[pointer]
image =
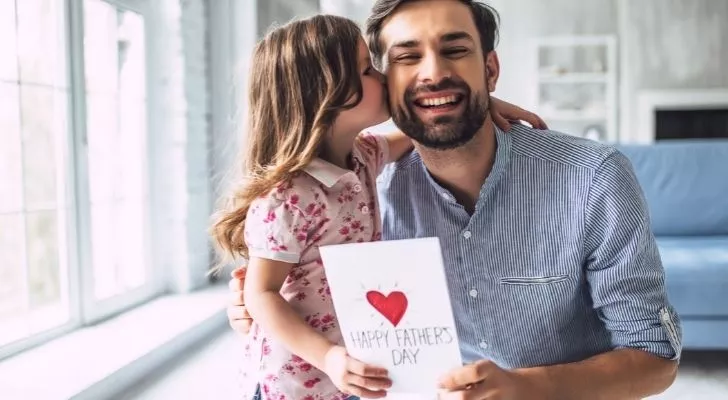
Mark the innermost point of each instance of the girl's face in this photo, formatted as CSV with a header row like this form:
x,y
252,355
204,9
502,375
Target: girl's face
x,y
372,109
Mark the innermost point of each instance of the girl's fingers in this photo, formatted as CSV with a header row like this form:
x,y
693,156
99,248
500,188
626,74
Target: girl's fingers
x,y
501,122
359,368
368,382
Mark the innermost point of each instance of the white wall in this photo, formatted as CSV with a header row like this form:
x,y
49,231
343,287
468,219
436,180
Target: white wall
x,y
180,139
670,44
524,20
664,44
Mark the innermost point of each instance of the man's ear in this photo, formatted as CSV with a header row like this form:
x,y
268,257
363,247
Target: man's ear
x,y
492,70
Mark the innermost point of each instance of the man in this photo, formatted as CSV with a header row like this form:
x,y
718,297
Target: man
x,y
556,282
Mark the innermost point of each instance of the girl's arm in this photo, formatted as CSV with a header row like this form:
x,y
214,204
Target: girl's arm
x,y
263,282
502,111
399,145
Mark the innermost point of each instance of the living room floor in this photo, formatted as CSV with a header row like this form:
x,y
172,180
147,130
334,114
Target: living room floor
x,y
211,372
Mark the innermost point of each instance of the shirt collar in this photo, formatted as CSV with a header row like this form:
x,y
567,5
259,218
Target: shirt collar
x,y
325,172
329,174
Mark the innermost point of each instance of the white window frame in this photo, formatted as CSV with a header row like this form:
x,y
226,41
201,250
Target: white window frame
x,y
74,235
92,311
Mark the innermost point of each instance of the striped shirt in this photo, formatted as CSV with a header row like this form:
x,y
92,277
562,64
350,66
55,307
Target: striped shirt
x,y
556,264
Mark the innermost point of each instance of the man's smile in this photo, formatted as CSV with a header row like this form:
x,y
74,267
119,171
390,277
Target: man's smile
x,y
435,104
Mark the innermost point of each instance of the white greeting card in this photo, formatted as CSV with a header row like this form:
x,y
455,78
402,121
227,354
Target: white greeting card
x,y
393,307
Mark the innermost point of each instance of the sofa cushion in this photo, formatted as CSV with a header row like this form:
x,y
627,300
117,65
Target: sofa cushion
x,y
696,270
685,183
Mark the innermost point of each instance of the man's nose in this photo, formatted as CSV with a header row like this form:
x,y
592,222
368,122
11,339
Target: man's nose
x,y
433,69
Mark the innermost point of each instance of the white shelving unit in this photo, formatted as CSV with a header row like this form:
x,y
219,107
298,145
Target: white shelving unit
x,y
576,90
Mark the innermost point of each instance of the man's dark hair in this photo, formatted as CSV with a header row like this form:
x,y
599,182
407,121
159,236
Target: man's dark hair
x,y
486,21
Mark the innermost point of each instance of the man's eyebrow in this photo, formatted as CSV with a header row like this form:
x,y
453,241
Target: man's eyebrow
x,y
453,36
405,44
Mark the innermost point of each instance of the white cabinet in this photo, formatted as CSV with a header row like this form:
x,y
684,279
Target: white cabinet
x,y
576,90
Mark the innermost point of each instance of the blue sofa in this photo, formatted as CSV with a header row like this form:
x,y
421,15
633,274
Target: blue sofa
x,y
686,186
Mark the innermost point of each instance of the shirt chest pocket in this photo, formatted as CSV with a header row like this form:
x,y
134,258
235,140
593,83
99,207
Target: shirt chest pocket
x,y
534,280
549,298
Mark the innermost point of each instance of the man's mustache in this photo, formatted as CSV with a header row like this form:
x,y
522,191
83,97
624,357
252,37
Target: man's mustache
x,y
444,84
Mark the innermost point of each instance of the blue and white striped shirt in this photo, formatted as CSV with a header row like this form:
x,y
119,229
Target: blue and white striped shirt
x,y
557,263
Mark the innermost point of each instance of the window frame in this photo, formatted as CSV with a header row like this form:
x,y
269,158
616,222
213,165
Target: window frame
x,y
90,310
74,211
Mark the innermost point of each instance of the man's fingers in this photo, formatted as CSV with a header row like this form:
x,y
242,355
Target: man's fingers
x,y
237,298
476,392
238,273
465,376
242,326
236,284
237,313
501,122
359,368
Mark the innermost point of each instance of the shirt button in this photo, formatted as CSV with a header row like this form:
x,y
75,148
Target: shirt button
x,y
467,234
473,293
483,344
365,210
357,188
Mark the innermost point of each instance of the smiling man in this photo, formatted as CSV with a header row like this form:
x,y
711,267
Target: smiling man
x,y
557,286
555,278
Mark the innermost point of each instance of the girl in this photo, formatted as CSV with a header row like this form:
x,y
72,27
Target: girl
x,y
310,181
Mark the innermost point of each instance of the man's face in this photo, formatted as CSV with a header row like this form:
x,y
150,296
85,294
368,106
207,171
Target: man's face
x,y
436,72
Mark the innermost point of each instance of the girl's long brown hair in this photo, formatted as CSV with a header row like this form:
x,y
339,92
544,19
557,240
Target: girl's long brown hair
x,y
303,75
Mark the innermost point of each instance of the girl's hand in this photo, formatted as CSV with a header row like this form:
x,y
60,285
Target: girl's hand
x,y
354,377
502,112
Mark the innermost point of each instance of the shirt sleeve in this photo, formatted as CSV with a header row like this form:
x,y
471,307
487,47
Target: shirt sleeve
x,y
374,149
276,228
624,270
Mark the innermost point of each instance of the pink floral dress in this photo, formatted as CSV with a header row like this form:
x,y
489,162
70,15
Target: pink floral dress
x,y
325,205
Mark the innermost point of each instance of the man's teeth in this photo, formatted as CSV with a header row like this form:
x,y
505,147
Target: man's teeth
x,y
438,101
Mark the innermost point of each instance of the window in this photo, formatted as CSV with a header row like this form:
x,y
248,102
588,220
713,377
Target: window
x,y
116,148
34,201
74,166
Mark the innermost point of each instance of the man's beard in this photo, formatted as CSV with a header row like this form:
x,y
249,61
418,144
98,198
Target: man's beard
x,y
446,132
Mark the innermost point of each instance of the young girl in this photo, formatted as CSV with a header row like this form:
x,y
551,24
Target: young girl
x,y
310,181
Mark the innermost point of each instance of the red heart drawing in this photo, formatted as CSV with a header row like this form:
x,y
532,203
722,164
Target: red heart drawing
x,y
392,307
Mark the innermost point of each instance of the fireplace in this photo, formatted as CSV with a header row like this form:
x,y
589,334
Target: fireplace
x,y
691,124
681,114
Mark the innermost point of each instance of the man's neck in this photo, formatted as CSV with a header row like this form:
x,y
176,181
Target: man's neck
x,y
463,170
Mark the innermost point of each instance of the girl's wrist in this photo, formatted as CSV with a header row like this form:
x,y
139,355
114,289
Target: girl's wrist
x,y
322,353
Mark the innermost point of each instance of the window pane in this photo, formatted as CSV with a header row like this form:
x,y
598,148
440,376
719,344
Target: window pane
x,y
41,45
13,290
8,42
44,283
11,177
117,146
33,139
44,118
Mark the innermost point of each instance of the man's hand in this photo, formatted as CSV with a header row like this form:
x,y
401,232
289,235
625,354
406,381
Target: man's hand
x,y
354,377
485,380
238,315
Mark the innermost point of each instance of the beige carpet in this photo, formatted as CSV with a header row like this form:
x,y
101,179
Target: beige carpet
x,y
211,373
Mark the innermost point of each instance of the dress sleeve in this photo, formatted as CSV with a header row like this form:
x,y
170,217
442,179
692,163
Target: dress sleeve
x,y
276,228
374,150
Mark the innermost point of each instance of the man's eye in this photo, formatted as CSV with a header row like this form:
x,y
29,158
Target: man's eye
x,y
408,57
455,51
